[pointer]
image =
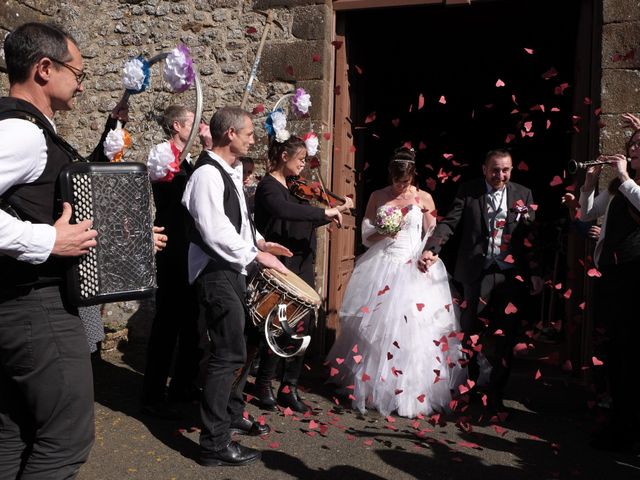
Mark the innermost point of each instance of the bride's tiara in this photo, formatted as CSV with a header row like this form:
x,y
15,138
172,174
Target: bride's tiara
x,y
402,160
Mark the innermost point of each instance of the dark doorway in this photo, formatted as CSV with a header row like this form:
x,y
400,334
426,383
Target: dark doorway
x,y
458,81
492,75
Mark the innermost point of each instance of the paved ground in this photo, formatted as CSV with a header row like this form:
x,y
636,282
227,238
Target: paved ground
x,y
544,437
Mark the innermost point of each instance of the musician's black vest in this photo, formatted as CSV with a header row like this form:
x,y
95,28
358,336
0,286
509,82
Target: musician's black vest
x,y
622,237
231,205
38,201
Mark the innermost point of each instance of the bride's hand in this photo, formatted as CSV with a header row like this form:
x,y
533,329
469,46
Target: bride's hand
x,y
427,259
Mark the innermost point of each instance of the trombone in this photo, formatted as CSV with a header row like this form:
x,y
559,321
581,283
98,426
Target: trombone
x,y
573,166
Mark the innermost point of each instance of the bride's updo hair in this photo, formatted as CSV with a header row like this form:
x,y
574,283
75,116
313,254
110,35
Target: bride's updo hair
x,y
402,164
277,149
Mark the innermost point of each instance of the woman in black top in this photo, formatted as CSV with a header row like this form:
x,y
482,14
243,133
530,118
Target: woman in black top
x,y
617,256
281,217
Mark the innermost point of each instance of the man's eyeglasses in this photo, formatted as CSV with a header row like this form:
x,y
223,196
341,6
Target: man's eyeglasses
x,y
79,74
633,146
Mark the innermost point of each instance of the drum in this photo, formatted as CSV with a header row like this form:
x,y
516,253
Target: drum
x,y
277,303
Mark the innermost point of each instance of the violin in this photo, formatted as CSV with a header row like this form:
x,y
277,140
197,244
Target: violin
x,y
306,190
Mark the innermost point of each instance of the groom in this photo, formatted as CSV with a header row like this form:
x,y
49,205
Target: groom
x,y
495,217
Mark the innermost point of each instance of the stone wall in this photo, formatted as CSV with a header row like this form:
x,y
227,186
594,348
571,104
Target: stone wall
x,y
620,70
223,37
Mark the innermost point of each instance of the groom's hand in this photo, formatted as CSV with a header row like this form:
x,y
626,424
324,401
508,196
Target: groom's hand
x,y
427,259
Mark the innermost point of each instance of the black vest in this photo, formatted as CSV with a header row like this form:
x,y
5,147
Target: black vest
x,y
622,237
37,202
231,205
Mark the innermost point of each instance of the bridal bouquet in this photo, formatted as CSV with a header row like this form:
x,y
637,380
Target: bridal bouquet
x,y
389,220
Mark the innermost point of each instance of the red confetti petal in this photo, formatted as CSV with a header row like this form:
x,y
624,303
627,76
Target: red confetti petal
x,y
420,306
594,272
596,361
500,83
316,57
511,308
420,101
556,181
370,118
251,30
258,109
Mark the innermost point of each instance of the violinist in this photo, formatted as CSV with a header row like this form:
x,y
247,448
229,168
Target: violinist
x,y
291,221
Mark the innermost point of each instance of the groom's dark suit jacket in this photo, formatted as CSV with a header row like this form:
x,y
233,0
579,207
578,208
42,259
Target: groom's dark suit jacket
x,y
469,213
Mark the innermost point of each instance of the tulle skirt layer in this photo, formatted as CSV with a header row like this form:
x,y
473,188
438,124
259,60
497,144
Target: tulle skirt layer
x,y
399,343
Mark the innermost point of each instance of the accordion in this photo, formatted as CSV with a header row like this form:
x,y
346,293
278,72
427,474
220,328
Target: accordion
x,y
117,197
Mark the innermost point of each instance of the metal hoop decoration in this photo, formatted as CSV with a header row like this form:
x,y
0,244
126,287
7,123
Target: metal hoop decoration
x,y
271,332
198,107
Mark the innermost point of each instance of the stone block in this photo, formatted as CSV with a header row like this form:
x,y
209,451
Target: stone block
x,y
614,135
13,14
312,22
320,96
620,10
223,3
266,4
621,45
620,91
294,61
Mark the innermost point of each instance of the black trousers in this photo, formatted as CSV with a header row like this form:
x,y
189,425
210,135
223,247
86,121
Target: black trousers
x,y
46,387
485,314
269,361
617,294
221,294
174,325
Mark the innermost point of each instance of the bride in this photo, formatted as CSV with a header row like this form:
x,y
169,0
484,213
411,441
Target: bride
x,y
399,343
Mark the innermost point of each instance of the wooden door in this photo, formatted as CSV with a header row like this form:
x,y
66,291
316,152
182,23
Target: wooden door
x,y
342,240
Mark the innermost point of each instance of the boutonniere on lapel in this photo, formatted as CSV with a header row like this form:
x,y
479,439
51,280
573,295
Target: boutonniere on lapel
x,y
520,210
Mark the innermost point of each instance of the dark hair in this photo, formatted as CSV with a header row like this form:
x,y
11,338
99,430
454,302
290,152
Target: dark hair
x,y
290,147
247,161
223,120
29,43
402,164
173,113
497,153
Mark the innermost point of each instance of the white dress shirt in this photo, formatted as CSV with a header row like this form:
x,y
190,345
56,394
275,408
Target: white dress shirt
x,y
23,158
497,215
204,198
592,207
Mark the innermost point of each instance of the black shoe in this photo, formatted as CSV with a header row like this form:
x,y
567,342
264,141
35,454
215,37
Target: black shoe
x,y
248,426
265,397
161,410
288,397
233,455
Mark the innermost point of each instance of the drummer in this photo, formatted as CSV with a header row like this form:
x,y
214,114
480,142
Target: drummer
x,y
223,244
290,221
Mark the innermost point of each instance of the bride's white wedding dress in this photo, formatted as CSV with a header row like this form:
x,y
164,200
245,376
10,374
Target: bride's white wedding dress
x,y
399,343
